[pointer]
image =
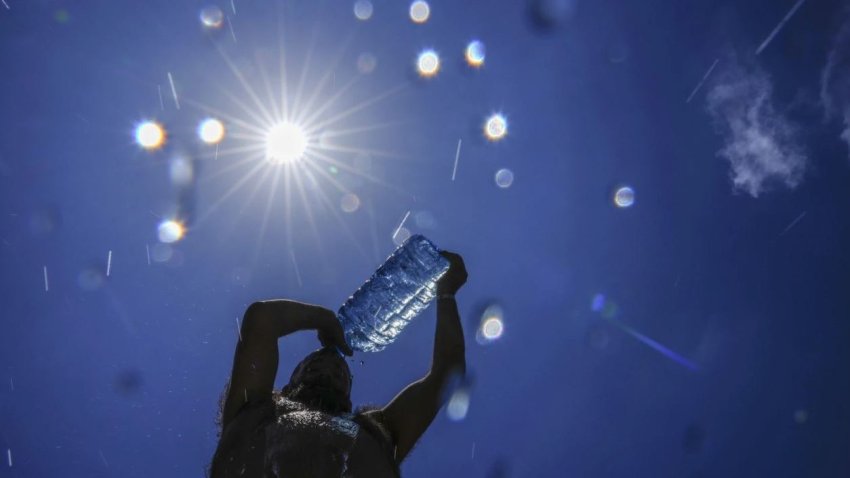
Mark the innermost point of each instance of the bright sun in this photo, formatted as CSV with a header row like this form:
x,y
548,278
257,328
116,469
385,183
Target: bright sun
x,y
285,142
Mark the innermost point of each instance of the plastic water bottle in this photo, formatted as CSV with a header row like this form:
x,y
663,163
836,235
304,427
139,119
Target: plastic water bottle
x,y
397,292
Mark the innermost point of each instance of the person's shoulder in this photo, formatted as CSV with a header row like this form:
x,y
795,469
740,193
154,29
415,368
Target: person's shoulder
x,y
372,419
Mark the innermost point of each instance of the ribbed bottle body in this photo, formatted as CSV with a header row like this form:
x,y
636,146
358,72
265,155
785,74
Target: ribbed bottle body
x,y
398,291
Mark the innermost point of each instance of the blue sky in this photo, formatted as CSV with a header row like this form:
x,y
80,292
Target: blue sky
x,y
732,257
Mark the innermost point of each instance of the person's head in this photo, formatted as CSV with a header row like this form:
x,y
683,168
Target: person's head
x,y
321,381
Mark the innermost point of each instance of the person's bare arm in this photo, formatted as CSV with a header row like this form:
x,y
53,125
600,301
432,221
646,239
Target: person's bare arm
x,y
256,360
410,413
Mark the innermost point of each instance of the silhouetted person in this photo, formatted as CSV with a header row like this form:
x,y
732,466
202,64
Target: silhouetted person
x,y
307,429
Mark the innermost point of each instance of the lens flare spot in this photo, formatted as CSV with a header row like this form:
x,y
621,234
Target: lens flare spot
x,y
150,135
401,235
366,63
363,9
428,64
624,197
286,142
90,279
211,131
496,127
475,54
458,405
597,303
171,231
181,171
350,202
212,17
504,178
161,252
491,326
420,11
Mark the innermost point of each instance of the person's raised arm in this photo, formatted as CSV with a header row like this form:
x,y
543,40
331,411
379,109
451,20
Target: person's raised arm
x,y
410,413
256,359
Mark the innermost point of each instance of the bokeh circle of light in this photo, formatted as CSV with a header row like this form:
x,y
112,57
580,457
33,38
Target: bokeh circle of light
x,y
624,197
428,63
492,328
420,11
170,231
475,53
363,9
366,63
458,405
211,131
150,135
504,178
350,202
181,171
212,17
286,142
496,127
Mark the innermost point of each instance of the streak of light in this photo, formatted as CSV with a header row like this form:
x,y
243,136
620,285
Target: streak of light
x,y
457,156
161,103
238,329
7,8
233,6
173,90
108,263
705,77
105,463
781,24
793,223
401,224
654,345
232,33
148,250
473,451
11,384
246,395
9,450
46,285
295,265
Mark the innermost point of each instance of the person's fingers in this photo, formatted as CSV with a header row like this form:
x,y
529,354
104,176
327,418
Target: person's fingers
x,y
339,335
333,336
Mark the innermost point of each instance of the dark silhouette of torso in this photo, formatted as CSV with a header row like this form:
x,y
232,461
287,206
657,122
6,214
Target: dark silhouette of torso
x,y
281,438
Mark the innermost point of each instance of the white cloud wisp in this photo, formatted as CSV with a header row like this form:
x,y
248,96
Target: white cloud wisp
x,y
759,142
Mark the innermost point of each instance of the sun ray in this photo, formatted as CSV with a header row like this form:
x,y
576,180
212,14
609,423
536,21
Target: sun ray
x,y
358,107
351,169
228,118
365,129
327,104
227,169
284,94
247,177
296,103
268,87
310,217
250,91
334,210
330,73
372,152
266,214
